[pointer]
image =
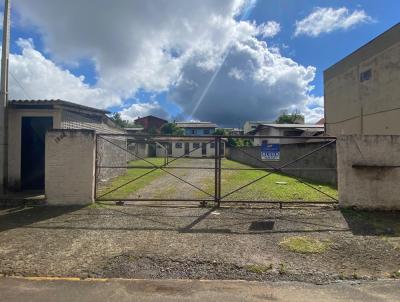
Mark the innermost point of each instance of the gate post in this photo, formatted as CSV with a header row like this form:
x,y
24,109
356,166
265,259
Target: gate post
x,y
217,171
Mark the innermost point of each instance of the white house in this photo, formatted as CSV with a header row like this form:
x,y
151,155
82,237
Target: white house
x,y
186,146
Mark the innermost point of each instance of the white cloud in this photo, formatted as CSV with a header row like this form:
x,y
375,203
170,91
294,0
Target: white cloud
x,y
142,109
328,19
40,78
269,29
164,46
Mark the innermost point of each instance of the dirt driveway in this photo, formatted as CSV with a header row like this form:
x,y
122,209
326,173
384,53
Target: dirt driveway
x,y
170,186
228,243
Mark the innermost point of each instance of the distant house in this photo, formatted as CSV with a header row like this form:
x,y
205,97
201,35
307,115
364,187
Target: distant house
x,y
232,131
197,128
297,130
150,123
28,122
187,146
252,125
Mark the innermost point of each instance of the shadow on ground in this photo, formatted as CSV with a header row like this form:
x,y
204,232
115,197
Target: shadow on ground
x,y
20,216
373,223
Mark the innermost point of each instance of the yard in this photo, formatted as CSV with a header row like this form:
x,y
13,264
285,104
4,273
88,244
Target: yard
x,y
159,184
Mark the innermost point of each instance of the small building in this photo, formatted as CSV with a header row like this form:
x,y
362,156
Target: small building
x,y
233,131
197,128
294,130
362,91
150,123
252,125
193,147
28,122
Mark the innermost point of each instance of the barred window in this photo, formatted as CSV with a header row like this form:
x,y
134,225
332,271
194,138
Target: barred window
x,y
178,145
196,145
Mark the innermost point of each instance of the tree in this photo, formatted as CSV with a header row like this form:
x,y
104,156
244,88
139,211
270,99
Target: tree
x,y
171,129
293,118
117,119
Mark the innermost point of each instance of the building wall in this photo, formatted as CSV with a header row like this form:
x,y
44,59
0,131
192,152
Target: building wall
x,y
199,131
62,119
319,167
14,144
177,152
69,167
369,171
150,122
275,132
355,106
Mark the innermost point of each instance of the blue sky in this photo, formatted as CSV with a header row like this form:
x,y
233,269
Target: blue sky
x,y
159,57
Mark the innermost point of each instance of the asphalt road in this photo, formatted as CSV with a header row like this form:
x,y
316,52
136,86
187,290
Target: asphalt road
x,y
25,289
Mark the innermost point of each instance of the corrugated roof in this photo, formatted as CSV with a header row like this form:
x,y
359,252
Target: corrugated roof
x,y
55,102
196,125
293,126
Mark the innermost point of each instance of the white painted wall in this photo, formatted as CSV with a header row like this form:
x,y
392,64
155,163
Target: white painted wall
x,y
70,167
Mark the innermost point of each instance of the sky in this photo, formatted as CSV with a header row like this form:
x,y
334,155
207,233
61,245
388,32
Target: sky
x,y
224,61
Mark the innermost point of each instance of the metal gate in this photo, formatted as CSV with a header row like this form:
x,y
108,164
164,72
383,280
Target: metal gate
x,y
134,168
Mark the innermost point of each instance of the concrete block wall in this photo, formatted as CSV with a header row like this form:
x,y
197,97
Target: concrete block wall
x,y
319,167
111,152
369,171
69,167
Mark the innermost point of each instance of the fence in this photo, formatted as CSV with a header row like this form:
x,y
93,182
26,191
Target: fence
x,y
194,169
320,166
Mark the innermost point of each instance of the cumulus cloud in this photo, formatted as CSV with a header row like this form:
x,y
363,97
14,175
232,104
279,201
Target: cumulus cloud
x,y
33,76
173,46
261,85
328,19
269,29
143,109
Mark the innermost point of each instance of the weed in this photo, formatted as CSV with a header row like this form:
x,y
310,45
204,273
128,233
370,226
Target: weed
x,y
258,268
282,268
395,275
305,245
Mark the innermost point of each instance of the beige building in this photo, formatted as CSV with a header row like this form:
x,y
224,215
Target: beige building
x,y
362,91
28,122
300,131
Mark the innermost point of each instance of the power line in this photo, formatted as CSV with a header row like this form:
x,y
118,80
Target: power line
x,y
358,116
20,85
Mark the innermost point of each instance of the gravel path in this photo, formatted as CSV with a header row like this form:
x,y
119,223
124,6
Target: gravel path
x,y
169,187
176,242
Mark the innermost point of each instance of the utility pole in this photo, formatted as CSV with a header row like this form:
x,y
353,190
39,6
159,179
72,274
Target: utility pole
x,y
4,98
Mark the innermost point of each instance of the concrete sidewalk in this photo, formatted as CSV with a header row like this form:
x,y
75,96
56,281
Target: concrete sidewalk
x,y
45,289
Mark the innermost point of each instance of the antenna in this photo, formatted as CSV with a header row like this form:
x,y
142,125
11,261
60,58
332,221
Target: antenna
x,y
4,98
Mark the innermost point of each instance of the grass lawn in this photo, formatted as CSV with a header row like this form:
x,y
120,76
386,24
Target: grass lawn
x,y
131,174
273,187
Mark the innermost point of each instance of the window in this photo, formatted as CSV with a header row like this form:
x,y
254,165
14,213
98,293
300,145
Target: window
x,y
193,131
206,131
196,145
178,145
212,145
365,75
264,142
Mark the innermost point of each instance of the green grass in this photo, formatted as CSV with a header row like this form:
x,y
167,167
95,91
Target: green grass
x,y
131,174
265,189
269,188
258,268
304,245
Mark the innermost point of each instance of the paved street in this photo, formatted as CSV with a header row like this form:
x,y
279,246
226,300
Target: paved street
x,y
15,290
